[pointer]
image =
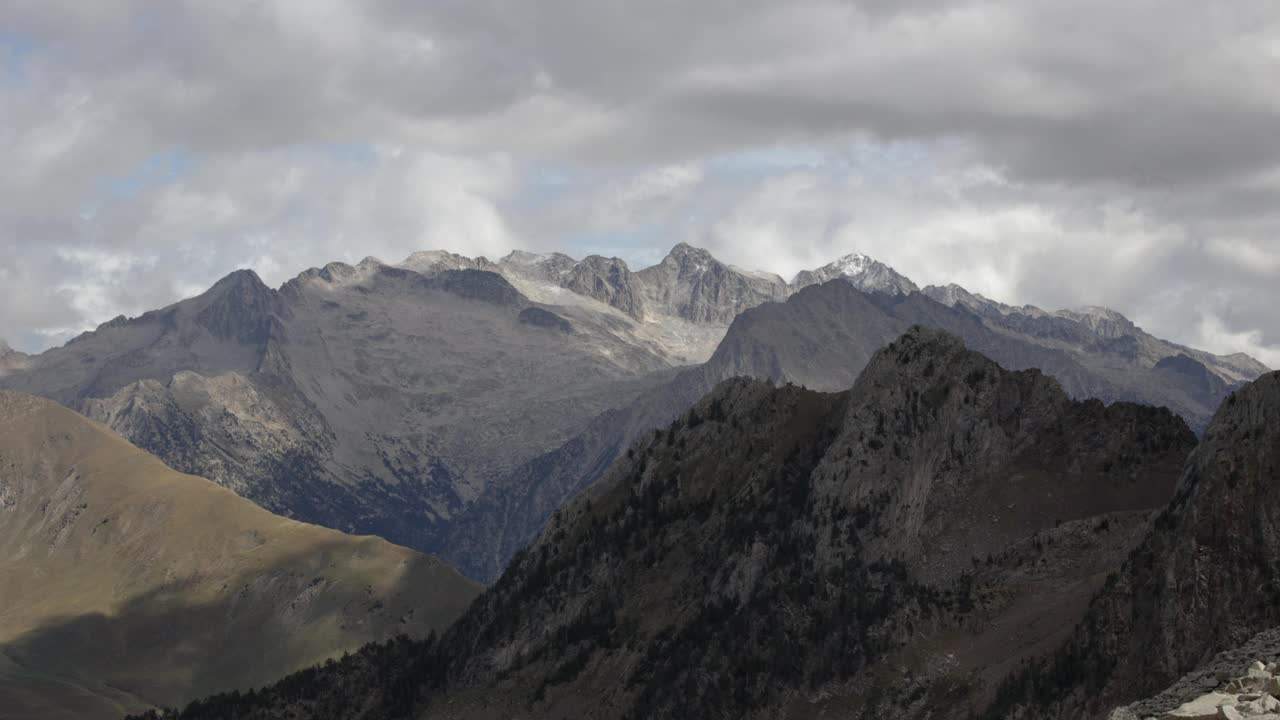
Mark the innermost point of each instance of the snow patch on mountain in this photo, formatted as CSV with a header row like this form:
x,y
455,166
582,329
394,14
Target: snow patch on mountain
x,y
864,273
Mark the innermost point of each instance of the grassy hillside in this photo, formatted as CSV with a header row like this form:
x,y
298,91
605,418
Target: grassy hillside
x,y
125,584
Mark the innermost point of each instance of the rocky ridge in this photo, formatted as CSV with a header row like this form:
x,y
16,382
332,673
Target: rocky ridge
x,y
820,338
862,272
683,304
1202,580
778,551
1096,330
451,404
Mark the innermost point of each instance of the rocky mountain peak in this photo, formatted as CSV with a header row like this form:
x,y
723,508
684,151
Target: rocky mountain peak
x,y
1103,322
1252,412
550,268
608,264
243,280
952,295
117,321
608,280
690,260
684,250
1245,360
862,272
693,285
524,257
238,307
429,261
928,389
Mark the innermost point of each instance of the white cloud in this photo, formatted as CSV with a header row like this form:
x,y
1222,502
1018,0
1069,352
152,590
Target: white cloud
x,y
1212,332
1037,151
278,213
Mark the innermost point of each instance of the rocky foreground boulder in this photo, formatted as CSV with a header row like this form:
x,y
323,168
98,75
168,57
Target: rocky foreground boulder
x,y
1225,688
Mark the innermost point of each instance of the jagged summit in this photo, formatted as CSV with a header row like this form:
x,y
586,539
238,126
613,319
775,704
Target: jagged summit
x,y
1104,322
243,279
863,272
524,257
953,295
692,285
117,321
1245,358
238,307
429,261
685,303
685,253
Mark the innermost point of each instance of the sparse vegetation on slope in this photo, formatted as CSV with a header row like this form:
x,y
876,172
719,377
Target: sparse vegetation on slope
x,y
900,546
124,584
1205,579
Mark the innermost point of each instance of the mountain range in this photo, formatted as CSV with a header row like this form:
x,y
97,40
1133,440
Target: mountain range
x,y
125,585
910,546
450,404
695,491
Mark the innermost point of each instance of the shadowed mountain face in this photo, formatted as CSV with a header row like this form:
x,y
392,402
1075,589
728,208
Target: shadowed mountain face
x,y
821,338
124,584
1206,579
897,547
452,404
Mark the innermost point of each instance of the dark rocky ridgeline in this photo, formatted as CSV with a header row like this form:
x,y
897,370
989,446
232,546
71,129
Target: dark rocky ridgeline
x,y
1206,579
820,338
900,547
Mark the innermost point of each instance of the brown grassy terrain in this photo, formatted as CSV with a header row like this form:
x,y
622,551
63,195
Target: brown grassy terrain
x,y
125,584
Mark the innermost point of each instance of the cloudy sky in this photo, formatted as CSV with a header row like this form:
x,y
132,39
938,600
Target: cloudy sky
x,y
1057,153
